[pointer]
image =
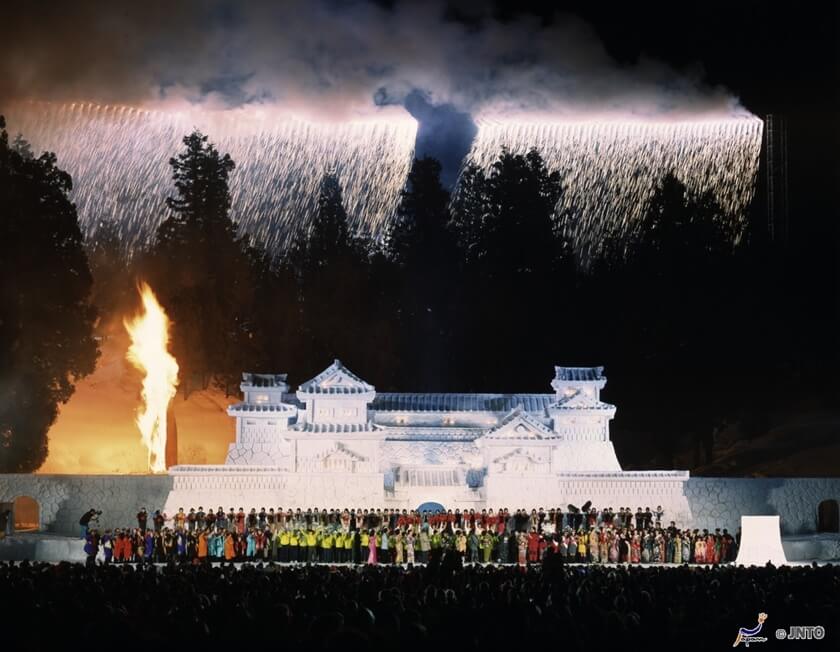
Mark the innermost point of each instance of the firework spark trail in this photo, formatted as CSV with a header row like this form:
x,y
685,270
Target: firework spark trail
x,y
149,332
610,169
118,157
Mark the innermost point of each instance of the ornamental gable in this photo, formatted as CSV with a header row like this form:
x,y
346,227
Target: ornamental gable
x,y
517,426
571,397
336,379
519,461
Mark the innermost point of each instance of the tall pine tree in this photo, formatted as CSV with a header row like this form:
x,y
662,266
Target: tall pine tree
x,y
46,318
331,268
423,248
515,266
202,270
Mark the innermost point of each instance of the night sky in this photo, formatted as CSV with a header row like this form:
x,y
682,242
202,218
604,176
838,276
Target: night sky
x,y
446,62
449,64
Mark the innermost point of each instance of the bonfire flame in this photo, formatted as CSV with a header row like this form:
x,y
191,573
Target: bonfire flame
x,y
149,332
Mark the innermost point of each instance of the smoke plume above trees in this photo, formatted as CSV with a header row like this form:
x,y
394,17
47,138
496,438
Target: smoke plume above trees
x,y
333,58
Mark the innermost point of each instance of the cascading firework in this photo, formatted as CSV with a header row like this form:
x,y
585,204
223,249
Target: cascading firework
x,y
149,332
610,168
118,157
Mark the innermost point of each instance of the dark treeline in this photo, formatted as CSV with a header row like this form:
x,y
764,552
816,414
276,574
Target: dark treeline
x,y
480,291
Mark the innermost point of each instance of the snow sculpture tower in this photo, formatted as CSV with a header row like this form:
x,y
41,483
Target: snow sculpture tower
x,y
262,423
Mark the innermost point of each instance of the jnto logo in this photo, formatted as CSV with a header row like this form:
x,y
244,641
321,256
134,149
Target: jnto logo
x,y
747,635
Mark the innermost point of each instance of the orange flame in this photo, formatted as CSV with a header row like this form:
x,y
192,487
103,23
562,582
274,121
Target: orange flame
x,y
149,332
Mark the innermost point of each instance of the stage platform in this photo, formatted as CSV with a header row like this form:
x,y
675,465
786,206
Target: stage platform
x,y
41,546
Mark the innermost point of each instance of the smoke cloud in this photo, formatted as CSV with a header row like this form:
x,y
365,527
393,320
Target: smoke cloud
x,y
332,58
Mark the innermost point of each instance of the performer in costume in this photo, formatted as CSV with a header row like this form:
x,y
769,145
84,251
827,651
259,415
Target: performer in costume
x,y
372,548
700,551
522,548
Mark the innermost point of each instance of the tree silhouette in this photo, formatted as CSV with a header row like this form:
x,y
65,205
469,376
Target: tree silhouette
x,y
202,270
423,249
46,319
468,212
331,268
514,260
328,237
673,290
112,271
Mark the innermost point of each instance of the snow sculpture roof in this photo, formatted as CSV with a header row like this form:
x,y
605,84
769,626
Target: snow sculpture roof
x,y
420,402
579,374
336,379
265,407
264,380
518,426
337,427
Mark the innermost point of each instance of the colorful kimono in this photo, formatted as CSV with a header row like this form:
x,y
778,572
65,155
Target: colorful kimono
x,y
635,549
593,546
571,548
710,549
533,547
128,553
486,544
700,551
107,547
647,549
409,548
661,551
372,550
398,547
677,546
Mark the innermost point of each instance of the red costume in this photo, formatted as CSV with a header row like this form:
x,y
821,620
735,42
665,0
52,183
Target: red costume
x,y
533,546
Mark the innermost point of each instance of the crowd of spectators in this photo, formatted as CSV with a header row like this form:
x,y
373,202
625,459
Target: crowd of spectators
x,y
440,605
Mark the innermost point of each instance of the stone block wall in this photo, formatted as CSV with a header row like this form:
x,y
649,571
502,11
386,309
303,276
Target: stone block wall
x,y
62,499
720,502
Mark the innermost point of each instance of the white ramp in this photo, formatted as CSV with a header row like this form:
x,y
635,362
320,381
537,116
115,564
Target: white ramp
x,y
761,541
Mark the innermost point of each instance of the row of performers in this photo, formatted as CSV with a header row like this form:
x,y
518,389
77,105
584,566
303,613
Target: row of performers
x,y
603,544
499,521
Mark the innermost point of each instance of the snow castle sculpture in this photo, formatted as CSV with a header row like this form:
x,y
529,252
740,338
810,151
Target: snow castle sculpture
x,y
336,442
